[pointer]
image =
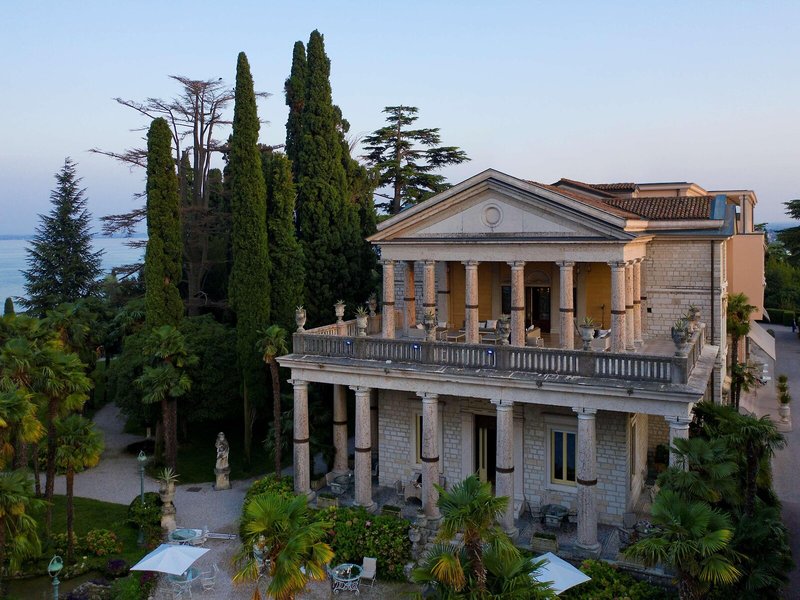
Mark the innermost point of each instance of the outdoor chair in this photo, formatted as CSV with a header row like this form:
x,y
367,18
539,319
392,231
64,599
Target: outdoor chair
x,y
200,539
369,571
181,590
400,492
208,579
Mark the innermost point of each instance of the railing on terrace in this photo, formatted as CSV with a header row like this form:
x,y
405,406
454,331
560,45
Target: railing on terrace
x,y
328,341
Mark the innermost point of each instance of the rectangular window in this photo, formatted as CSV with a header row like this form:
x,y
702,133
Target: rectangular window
x,y
563,459
418,432
505,299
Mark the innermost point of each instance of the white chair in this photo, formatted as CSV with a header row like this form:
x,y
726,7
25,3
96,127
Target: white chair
x,y
208,579
181,590
369,571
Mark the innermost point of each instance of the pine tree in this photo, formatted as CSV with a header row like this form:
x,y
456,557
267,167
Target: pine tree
x,y
61,264
249,289
295,88
405,168
328,226
162,260
8,308
285,254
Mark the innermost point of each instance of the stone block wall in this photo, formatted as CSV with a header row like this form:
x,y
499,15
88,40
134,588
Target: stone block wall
x,y
658,433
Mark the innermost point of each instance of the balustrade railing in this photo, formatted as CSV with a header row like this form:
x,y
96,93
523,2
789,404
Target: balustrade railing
x,y
326,341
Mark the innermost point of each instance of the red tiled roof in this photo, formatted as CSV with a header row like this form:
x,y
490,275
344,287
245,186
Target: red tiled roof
x,y
585,186
602,204
614,187
666,209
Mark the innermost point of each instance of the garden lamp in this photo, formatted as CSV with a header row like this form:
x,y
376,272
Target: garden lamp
x,y
142,458
53,569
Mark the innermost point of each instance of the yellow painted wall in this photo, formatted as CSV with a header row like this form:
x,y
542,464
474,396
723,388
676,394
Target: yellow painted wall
x,y
598,293
457,282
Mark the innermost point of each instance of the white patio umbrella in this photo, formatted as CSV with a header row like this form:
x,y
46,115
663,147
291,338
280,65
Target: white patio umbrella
x,y
562,574
170,558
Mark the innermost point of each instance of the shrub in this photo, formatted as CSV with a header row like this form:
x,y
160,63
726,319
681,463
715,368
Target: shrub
x,y
134,587
609,583
355,533
58,542
270,484
116,567
147,517
102,542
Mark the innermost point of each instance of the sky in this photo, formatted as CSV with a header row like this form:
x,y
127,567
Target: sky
x,y
595,91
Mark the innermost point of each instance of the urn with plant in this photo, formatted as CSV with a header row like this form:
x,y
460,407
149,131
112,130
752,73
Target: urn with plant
x,y
586,329
361,321
300,318
339,310
372,302
680,335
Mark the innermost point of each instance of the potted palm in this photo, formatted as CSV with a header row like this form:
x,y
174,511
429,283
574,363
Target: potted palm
x,y
693,316
504,329
586,329
372,302
361,321
783,398
429,322
339,309
167,478
680,334
300,318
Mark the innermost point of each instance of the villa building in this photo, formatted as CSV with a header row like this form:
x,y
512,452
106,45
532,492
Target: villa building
x,y
446,385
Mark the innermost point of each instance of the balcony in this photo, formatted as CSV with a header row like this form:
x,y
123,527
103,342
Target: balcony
x,y
656,362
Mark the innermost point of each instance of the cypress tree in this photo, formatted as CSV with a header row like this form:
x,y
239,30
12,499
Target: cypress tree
x,y
8,308
162,259
295,88
61,264
248,289
285,254
327,221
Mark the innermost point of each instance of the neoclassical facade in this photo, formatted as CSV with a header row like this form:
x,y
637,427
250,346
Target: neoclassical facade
x,y
475,362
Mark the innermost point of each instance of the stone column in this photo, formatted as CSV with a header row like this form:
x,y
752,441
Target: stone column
x,y
430,453
678,428
340,466
387,306
617,306
567,310
629,307
637,303
586,477
410,297
517,303
471,301
504,462
373,417
302,459
363,466
429,287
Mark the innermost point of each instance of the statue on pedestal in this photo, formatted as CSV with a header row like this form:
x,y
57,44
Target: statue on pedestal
x,y
223,469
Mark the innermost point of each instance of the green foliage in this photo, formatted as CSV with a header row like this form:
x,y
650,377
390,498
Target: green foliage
x,y
163,258
407,159
609,583
146,516
248,289
102,542
136,586
58,543
295,88
783,286
271,485
17,505
285,253
354,533
327,219
781,317
61,264
8,308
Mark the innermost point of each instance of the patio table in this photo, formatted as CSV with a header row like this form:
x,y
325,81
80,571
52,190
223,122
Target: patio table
x,y
187,577
341,484
184,536
345,577
455,336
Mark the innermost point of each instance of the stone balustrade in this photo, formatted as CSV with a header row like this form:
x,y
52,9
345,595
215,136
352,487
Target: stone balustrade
x,y
325,341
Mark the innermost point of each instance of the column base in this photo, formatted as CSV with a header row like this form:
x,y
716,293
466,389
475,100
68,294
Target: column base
x,y
371,508
588,551
513,533
310,496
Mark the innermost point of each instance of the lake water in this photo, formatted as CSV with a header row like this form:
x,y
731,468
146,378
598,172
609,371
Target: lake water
x,y
13,258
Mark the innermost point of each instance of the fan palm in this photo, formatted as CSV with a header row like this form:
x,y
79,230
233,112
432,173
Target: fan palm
x,y
289,541
693,539
705,471
18,532
166,380
737,324
471,508
272,343
79,447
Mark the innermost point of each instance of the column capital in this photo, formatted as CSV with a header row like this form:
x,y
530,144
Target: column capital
x,y
429,262
428,396
678,423
616,264
298,383
585,413
503,404
387,262
470,263
563,264
360,389
516,264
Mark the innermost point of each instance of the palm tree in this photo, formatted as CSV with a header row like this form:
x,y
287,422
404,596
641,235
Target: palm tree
x,y
693,539
471,508
289,541
272,343
166,380
18,533
705,471
738,326
79,447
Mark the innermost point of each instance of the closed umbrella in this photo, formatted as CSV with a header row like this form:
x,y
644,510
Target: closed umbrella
x,y
170,558
560,573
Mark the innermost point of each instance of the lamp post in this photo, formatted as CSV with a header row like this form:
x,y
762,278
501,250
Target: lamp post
x,y
142,458
53,569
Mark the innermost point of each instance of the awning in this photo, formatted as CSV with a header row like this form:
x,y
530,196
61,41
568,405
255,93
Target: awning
x,y
559,573
759,336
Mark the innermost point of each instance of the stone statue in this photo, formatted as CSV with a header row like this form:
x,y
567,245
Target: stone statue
x,y
222,470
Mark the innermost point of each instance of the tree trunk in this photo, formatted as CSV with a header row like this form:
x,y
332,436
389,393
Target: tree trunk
x,y
169,434
736,385
686,588
276,413
751,475
475,556
36,479
249,421
70,514
3,584
21,455
159,440
52,412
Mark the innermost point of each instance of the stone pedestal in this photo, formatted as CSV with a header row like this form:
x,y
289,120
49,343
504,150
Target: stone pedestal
x,y
223,481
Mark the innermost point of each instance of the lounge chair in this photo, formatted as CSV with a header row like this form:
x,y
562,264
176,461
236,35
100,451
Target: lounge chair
x,y
369,571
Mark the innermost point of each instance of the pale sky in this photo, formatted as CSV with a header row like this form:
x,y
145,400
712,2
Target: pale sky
x,y
596,91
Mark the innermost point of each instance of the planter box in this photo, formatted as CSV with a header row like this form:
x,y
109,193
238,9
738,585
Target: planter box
x,y
318,484
541,545
392,511
324,502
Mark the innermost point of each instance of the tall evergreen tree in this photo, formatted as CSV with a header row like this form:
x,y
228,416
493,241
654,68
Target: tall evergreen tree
x,y
162,259
295,88
249,287
8,308
285,254
62,267
405,168
328,226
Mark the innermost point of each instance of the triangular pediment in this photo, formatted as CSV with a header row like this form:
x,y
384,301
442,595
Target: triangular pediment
x,y
495,206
